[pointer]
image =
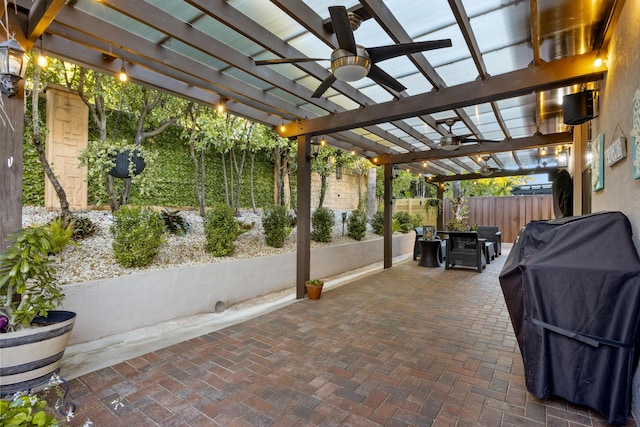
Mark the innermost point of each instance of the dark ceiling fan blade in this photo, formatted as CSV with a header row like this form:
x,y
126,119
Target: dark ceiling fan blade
x,y
326,84
381,53
342,28
287,60
478,140
379,76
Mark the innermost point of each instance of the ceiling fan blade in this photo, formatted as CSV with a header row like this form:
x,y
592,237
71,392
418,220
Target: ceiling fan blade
x,y
381,53
381,77
287,60
326,84
478,140
342,28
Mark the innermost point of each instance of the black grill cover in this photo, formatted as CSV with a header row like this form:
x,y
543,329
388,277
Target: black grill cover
x,y
572,288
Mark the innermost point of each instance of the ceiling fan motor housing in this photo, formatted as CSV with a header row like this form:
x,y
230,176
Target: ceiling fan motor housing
x,y
348,67
449,143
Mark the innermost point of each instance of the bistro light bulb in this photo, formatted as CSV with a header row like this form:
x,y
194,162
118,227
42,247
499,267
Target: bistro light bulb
x,y
123,75
42,61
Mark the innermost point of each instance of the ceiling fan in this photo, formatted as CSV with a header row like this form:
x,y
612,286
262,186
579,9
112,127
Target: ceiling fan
x,y
485,169
351,62
452,142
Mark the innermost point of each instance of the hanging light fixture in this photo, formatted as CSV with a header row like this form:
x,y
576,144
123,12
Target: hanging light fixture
x,y
123,74
12,66
42,60
222,104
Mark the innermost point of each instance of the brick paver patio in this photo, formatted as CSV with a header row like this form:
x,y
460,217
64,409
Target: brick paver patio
x,y
407,346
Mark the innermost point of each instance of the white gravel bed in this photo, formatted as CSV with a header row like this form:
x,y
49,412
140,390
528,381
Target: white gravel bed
x,y
93,259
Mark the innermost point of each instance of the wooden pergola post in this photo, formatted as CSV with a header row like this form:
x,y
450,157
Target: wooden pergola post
x,y
388,215
303,254
11,148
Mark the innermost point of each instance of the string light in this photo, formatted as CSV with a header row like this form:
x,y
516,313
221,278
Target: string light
x,y
123,73
221,104
42,60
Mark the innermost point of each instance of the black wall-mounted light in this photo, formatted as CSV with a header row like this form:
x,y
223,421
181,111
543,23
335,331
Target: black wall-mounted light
x,y
314,149
395,172
12,66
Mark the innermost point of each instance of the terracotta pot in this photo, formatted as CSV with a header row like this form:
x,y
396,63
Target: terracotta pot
x,y
28,357
313,291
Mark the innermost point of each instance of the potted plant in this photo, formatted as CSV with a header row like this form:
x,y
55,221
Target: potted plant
x,y
314,288
33,334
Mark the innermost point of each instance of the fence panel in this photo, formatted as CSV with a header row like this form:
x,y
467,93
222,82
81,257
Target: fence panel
x,y
509,213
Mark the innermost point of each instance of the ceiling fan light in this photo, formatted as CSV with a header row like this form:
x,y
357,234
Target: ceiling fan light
x,y
449,144
348,67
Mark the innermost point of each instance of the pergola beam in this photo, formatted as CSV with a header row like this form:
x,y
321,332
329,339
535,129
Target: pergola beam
x,y
560,73
478,149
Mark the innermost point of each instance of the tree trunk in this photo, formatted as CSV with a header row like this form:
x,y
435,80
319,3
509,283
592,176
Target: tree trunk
x,y
323,189
65,213
253,197
224,179
371,192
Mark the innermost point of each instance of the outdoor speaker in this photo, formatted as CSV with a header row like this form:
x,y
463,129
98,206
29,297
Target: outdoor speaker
x,y
578,108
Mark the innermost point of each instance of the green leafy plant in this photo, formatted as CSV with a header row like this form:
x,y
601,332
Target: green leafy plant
x,y
137,235
221,230
357,224
60,235
405,221
26,410
28,285
174,223
316,282
83,227
322,222
460,212
277,226
377,222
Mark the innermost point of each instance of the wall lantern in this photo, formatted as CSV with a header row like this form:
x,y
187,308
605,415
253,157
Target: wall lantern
x,y
315,149
563,159
396,171
12,66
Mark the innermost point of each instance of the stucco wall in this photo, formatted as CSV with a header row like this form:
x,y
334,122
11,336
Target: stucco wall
x,y
112,306
621,192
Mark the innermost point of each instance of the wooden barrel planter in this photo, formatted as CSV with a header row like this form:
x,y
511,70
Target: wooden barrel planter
x,y
123,159
30,356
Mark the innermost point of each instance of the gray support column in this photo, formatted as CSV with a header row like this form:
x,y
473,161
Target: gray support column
x,y
388,214
303,255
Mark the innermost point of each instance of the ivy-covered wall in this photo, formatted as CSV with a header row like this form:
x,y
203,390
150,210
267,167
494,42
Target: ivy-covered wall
x,y
173,172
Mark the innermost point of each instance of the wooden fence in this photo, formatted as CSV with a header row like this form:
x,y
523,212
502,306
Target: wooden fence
x,y
509,213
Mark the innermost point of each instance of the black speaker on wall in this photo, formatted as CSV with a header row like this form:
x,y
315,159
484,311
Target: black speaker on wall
x,y
578,108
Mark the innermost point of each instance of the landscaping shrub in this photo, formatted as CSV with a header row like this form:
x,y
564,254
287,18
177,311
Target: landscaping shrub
x,y
377,222
277,226
174,223
60,235
137,235
405,221
221,230
83,227
322,222
357,224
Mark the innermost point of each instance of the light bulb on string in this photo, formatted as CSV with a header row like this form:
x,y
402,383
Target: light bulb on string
x,y
123,74
42,60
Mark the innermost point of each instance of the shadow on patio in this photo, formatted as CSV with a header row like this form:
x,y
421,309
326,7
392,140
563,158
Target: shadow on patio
x,y
406,346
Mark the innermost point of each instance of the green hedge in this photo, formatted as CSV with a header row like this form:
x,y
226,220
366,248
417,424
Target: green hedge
x,y
173,170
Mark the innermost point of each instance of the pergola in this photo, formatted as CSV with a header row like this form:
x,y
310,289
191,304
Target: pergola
x,y
502,80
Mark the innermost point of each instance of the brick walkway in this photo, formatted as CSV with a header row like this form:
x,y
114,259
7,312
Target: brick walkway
x,y
407,346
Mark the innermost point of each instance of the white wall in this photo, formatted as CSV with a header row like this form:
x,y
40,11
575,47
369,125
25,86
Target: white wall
x,y
121,304
621,192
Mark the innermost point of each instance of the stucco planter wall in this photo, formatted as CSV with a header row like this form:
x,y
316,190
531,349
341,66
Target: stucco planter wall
x,y
120,304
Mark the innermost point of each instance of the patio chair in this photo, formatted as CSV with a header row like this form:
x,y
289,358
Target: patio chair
x,y
491,234
465,249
